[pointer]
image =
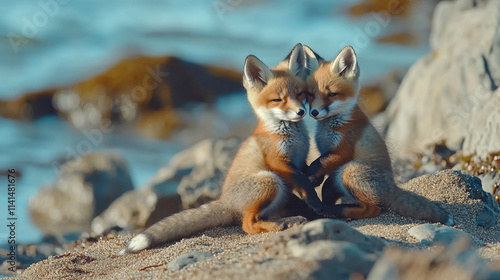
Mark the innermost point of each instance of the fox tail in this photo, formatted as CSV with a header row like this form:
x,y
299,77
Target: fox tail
x,y
409,204
180,225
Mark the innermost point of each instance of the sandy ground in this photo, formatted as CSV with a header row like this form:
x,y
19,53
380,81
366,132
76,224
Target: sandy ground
x,y
242,256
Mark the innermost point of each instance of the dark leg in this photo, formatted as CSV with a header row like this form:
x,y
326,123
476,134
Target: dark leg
x,y
295,206
331,192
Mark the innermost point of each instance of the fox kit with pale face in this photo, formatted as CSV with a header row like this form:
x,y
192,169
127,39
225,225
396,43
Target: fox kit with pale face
x,y
266,168
353,154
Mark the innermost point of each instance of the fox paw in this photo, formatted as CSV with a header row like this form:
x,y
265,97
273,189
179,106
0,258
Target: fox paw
x,y
288,222
316,180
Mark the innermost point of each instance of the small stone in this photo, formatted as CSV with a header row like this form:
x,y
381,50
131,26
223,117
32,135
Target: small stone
x,y
429,234
486,218
329,229
337,259
189,258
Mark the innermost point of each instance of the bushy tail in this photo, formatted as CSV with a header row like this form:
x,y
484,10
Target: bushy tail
x,y
412,205
180,225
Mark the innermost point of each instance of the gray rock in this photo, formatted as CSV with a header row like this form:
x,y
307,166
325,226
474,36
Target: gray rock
x,y
483,128
189,258
430,234
192,177
8,267
475,189
137,209
142,207
84,188
456,261
452,93
337,230
208,162
384,270
25,256
337,259
487,218
339,249
488,180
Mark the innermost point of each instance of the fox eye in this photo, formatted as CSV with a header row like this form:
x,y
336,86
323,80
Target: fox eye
x,y
310,94
277,100
332,94
300,94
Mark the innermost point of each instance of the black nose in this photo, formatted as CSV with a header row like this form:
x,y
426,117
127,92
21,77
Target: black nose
x,y
314,113
300,112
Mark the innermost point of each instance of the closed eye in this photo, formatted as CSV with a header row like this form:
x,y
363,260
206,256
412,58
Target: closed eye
x,y
332,94
310,94
277,100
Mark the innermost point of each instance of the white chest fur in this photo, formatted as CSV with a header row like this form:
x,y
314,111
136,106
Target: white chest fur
x,y
296,143
326,136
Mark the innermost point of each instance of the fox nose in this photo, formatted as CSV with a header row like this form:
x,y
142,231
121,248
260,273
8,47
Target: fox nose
x,y
301,112
314,112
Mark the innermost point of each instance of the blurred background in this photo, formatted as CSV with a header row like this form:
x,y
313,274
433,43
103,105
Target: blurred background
x,y
146,79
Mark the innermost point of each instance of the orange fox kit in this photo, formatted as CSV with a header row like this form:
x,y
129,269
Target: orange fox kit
x,y
265,169
353,154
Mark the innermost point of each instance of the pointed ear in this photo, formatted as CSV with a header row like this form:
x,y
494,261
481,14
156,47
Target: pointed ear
x,y
255,73
346,64
312,60
296,60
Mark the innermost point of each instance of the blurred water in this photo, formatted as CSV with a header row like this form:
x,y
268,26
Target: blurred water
x,y
45,43
37,149
50,43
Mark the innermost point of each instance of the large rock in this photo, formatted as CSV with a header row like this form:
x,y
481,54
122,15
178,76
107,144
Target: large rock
x,y
207,162
452,94
146,91
457,261
192,178
338,249
137,209
84,188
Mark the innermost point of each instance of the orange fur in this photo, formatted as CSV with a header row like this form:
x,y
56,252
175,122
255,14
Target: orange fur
x,y
283,86
251,223
353,154
265,167
364,211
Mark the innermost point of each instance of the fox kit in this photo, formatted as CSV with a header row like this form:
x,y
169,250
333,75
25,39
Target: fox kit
x,y
353,154
266,168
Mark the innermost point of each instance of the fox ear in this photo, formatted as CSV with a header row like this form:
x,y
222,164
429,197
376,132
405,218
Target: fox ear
x,y
296,60
346,64
255,73
311,61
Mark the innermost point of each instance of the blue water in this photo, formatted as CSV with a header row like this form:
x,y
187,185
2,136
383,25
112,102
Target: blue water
x,y
36,150
51,43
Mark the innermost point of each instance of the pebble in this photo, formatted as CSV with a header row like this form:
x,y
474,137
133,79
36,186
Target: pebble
x,y
189,258
429,234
